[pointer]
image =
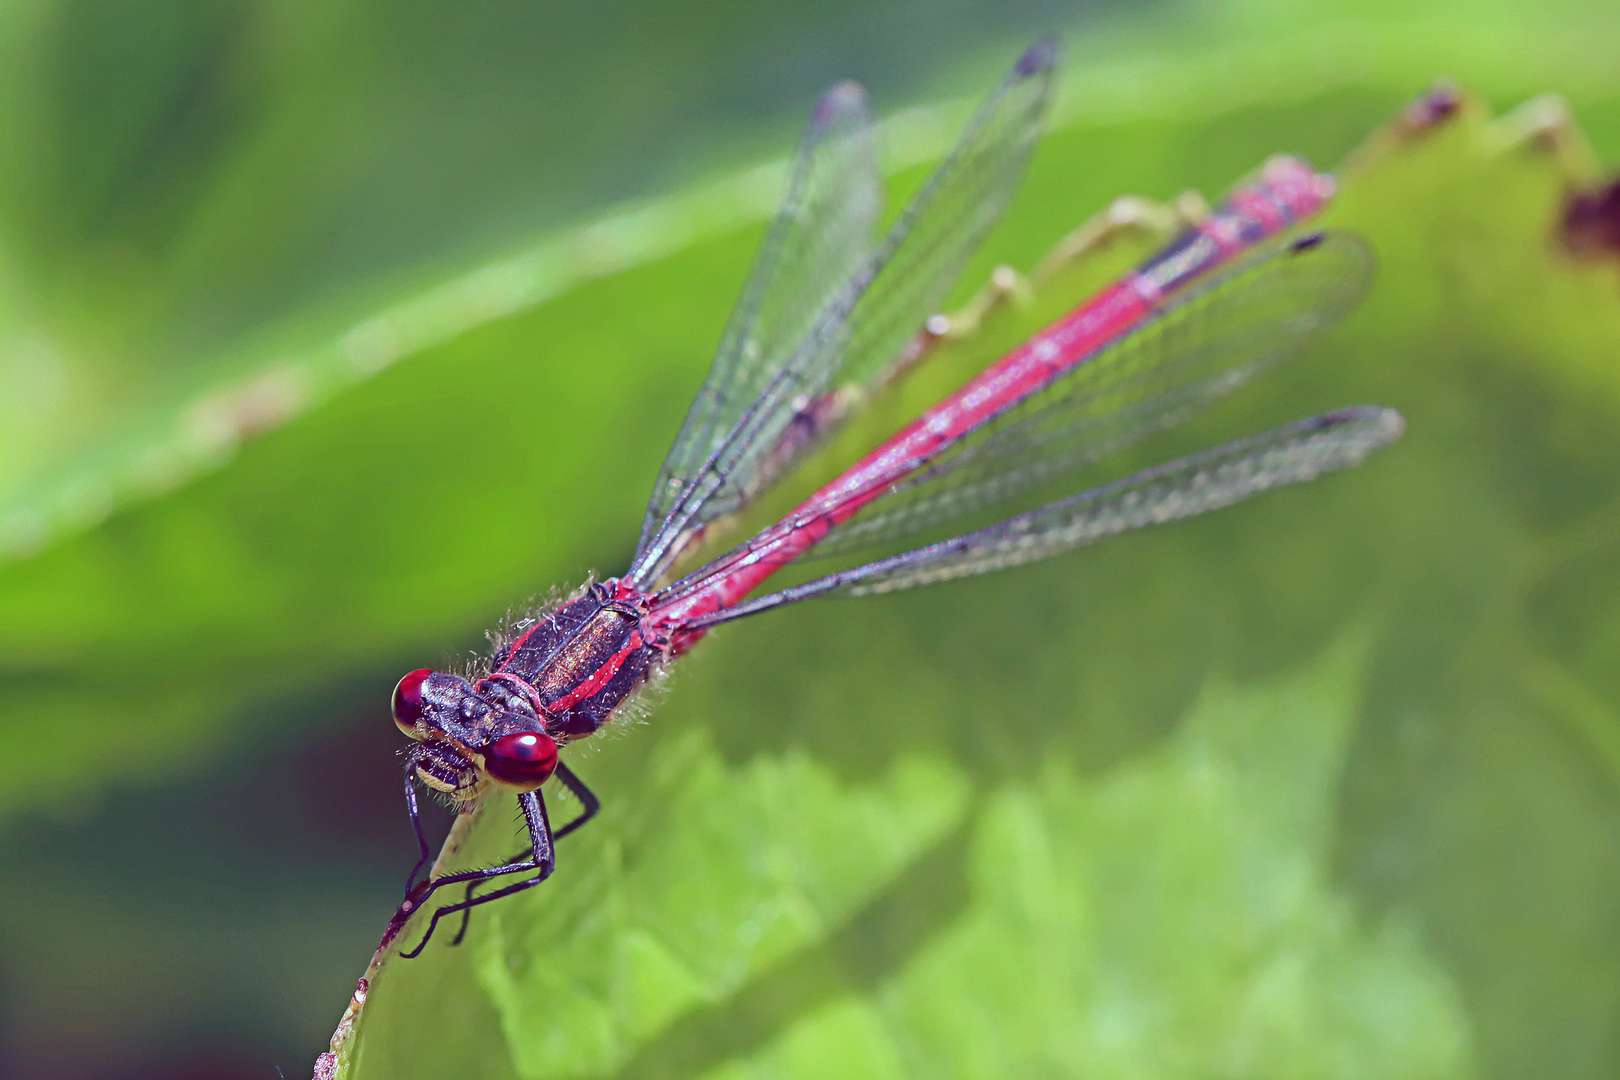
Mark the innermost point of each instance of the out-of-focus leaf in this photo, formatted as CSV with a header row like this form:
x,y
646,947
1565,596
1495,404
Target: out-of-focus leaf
x,y
206,206
1176,909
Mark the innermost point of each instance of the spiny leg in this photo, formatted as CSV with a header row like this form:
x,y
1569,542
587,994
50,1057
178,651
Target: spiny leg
x,y
416,826
590,803
542,860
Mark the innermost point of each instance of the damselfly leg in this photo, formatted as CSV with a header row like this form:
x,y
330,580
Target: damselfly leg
x,y
542,861
590,805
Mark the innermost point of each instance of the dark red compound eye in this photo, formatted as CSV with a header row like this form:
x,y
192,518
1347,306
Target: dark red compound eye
x,y
523,760
408,700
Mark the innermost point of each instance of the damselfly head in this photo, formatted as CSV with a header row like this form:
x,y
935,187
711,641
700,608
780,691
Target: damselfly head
x,y
466,733
429,702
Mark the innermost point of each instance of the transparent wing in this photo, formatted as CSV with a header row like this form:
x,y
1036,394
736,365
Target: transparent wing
x,y
811,377
1179,489
950,216
1208,341
820,237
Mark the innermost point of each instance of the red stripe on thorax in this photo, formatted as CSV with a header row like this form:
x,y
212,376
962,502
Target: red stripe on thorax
x,y
598,678
518,643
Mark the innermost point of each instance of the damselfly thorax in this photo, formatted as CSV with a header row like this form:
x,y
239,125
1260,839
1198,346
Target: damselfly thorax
x,y
561,675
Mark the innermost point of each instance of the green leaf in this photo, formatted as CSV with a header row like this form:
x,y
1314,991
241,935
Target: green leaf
x,y
1175,914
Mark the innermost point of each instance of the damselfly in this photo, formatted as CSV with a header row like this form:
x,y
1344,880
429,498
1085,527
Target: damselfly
x,y
827,316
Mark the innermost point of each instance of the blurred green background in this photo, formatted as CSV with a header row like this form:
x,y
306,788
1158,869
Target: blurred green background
x,y
330,330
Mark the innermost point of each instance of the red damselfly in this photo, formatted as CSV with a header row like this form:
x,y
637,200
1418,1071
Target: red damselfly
x,y
827,316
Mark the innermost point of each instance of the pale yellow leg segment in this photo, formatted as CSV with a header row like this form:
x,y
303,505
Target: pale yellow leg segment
x,y
1128,215
1546,124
